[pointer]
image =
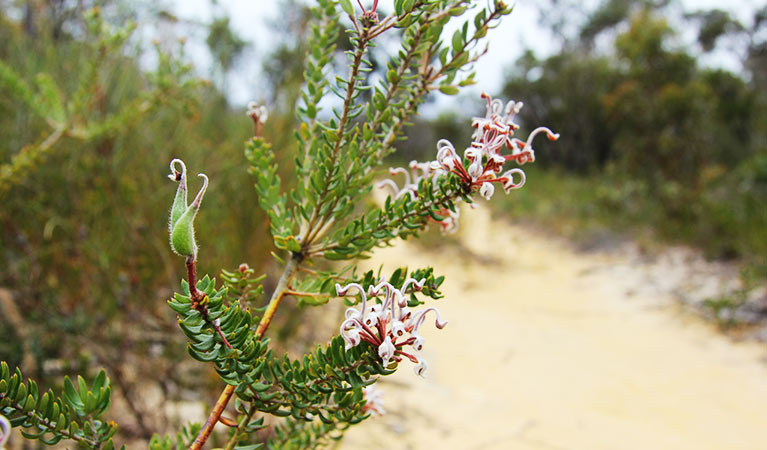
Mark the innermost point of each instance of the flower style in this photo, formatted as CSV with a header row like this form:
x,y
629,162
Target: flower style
x,y
409,188
390,326
373,400
418,171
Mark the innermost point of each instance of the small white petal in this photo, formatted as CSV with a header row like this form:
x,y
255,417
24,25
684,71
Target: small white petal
x,y
420,368
475,169
398,329
263,113
487,190
352,338
386,351
418,343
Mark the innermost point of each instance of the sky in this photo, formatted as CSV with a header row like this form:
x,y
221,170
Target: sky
x,y
254,20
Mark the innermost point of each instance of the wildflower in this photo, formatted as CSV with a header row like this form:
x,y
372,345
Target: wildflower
x,y
408,188
390,326
418,342
482,162
386,350
259,114
373,400
493,134
508,179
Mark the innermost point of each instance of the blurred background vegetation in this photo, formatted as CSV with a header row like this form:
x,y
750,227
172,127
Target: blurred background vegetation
x,y
651,140
654,145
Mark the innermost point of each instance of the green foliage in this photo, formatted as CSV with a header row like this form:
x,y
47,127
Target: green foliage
x,y
325,385
317,217
182,440
401,218
71,114
242,285
235,348
262,164
82,254
336,157
76,415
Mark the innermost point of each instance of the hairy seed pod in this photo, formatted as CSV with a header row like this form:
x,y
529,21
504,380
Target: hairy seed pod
x,y
179,202
182,217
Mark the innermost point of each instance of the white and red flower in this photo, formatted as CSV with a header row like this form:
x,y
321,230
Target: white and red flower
x,y
390,326
483,161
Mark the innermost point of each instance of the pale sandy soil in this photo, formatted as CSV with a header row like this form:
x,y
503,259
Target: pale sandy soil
x,y
549,348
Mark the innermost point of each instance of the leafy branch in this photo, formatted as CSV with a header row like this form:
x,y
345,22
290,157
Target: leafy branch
x,y
50,418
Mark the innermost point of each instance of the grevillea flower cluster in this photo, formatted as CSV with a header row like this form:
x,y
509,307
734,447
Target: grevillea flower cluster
x,y
390,326
483,161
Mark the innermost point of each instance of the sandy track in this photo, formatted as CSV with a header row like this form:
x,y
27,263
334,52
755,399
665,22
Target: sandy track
x,y
552,349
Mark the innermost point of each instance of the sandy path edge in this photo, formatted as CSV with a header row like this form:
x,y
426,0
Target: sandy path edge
x,y
548,348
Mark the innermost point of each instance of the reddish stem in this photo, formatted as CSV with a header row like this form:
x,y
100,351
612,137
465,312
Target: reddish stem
x,y
191,269
221,333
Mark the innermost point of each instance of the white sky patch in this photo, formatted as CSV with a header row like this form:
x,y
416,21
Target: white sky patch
x,y
254,21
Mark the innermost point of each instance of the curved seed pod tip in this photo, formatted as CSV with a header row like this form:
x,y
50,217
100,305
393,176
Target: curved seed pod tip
x,y
181,225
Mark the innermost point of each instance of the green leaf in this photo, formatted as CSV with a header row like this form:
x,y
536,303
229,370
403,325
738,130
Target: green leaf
x,y
346,5
71,395
449,90
457,41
